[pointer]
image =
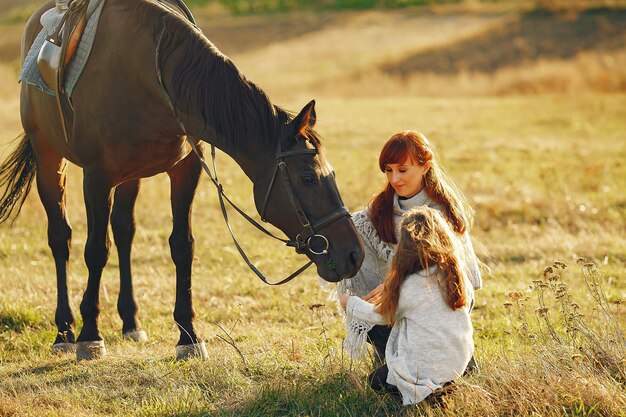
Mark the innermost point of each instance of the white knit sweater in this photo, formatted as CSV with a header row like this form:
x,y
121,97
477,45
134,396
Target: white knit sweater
x,y
377,260
430,344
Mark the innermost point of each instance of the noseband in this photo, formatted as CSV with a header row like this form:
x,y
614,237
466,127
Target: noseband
x,y
303,240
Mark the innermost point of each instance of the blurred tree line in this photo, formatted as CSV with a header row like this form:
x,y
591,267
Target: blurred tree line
x,y
261,6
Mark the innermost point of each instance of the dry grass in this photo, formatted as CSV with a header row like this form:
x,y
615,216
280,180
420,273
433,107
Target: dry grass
x,y
575,350
545,173
518,172
588,72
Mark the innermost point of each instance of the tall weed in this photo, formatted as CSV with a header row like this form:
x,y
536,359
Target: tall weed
x,y
563,353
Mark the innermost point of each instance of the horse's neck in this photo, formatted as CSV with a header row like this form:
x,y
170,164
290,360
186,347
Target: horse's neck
x,y
250,151
214,101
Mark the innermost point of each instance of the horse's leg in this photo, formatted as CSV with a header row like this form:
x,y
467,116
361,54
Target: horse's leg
x,y
184,180
123,226
51,171
97,191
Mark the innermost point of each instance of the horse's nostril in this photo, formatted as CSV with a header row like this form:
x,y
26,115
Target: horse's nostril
x,y
354,259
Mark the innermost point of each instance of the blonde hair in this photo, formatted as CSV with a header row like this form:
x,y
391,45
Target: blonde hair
x,y
426,239
441,189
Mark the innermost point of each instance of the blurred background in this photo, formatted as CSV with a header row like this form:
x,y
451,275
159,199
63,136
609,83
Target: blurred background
x,y
403,47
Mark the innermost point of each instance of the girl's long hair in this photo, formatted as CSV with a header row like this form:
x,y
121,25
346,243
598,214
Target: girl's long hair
x,y
426,239
415,146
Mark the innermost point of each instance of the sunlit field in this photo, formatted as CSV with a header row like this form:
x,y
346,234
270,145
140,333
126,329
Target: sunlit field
x,y
545,172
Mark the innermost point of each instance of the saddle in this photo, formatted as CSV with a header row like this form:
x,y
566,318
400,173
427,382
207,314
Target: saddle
x,y
59,48
68,20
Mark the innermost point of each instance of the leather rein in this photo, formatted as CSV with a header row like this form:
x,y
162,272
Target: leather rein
x,y
307,236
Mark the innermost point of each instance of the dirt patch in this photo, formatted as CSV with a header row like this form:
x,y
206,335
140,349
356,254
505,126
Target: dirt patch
x,y
233,35
533,36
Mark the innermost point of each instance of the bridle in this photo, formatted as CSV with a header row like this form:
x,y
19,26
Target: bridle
x,y
303,239
310,231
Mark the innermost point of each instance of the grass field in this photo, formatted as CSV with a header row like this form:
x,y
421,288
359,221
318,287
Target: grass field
x,y
545,172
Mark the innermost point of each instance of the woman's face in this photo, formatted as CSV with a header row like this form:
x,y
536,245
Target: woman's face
x,y
407,178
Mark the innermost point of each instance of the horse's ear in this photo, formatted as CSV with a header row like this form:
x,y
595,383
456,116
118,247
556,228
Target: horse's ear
x,y
306,119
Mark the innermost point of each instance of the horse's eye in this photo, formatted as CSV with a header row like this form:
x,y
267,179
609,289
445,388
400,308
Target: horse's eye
x,y
308,179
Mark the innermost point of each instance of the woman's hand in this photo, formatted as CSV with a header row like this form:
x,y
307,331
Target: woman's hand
x,y
369,296
343,301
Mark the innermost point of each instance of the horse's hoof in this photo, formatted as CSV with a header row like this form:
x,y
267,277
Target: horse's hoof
x,y
135,335
195,350
90,350
63,347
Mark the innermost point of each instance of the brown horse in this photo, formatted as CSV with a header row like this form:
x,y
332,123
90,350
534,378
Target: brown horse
x,y
152,77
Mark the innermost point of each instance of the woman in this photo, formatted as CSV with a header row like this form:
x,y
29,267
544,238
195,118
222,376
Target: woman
x,y
426,296
414,178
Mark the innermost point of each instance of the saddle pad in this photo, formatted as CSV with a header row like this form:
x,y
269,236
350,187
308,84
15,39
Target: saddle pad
x,y
49,20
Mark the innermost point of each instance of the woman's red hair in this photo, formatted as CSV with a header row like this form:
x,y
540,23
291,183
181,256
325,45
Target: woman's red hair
x,y
414,146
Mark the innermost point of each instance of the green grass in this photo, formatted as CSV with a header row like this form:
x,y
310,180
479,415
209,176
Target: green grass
x,y
527,164
17,319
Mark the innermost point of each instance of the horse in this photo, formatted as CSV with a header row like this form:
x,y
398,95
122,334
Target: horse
x,y
155,87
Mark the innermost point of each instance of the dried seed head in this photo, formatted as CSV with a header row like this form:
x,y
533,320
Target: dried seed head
x,y
589,268
515,295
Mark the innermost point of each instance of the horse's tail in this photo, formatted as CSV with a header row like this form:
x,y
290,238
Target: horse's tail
x,y
16,177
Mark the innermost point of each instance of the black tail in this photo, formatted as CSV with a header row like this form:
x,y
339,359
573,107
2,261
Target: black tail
x,y
16,178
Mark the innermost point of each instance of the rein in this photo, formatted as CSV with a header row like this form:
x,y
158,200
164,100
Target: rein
x,y
222,197
304,239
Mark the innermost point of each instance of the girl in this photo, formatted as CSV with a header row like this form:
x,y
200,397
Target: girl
x,y
426,296
414,179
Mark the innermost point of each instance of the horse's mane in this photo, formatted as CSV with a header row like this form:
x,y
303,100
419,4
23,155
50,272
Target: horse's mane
x,y
208,84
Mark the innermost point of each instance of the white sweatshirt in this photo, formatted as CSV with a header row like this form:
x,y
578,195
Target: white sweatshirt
x,y
430,344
